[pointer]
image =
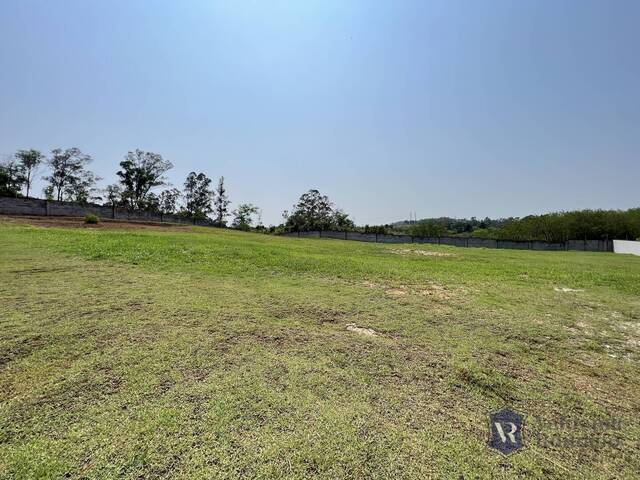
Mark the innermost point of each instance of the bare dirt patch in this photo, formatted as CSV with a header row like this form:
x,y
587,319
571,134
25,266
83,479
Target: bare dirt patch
x,y
567,290
425,253
78,222
369,332
436,291
631,332
433,290
580,330
396,292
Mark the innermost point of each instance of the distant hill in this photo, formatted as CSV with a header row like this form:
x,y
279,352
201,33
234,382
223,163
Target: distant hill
x,y
457,225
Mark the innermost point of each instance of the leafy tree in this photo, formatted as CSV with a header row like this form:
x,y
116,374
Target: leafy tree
x,y
68,173
29,160
12,178
113,195
169,201
48,192
313,211
341,221
243,216
140,172
152,203
198,195
81,188
382,229
221,204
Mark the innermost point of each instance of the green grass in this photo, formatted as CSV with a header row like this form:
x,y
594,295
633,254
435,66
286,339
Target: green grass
x,y
216,354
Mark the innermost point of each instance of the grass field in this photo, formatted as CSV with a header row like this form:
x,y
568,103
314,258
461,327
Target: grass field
x,y
204,353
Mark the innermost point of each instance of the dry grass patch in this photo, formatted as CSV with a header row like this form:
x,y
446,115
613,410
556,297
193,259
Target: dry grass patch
x,y
424,253
433,290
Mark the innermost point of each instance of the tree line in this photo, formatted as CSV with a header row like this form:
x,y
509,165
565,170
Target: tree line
x,y
550,227
68,178
141,173
578,224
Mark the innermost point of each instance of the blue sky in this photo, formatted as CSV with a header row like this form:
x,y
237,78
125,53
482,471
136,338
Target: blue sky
x,y
450,107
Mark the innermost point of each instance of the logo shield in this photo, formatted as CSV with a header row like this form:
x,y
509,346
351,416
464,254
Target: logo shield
x,y
506,431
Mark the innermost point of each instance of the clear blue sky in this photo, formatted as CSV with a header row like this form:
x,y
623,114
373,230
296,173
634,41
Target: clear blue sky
x,y
455,108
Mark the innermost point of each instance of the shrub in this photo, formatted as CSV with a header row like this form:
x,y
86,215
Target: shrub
x,y
91,219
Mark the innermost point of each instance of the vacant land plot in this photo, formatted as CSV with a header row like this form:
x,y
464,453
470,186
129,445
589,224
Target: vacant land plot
x,y
204,353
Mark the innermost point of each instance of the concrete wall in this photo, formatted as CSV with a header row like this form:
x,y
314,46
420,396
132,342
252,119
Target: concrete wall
x,y
338,235
483,243
626,246
34,206
453,241
308,234
382,238
22,206
583,245
362,237
514,245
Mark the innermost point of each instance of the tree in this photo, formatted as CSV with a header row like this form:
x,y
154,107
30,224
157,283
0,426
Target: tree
x,y
140,172
243,216
259,225
152,203
30,160
573,225
312,212
169,201
341,221
12,178
48,192
221,203
383,229
198,195
113,195
67,172
81,188
429,228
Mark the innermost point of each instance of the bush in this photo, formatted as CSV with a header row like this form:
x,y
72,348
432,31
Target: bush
x,y
91,219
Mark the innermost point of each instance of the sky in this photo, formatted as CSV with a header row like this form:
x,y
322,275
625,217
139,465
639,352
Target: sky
x,y
442,108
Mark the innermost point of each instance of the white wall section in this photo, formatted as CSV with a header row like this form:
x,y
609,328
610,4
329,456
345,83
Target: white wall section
x,y
626,246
